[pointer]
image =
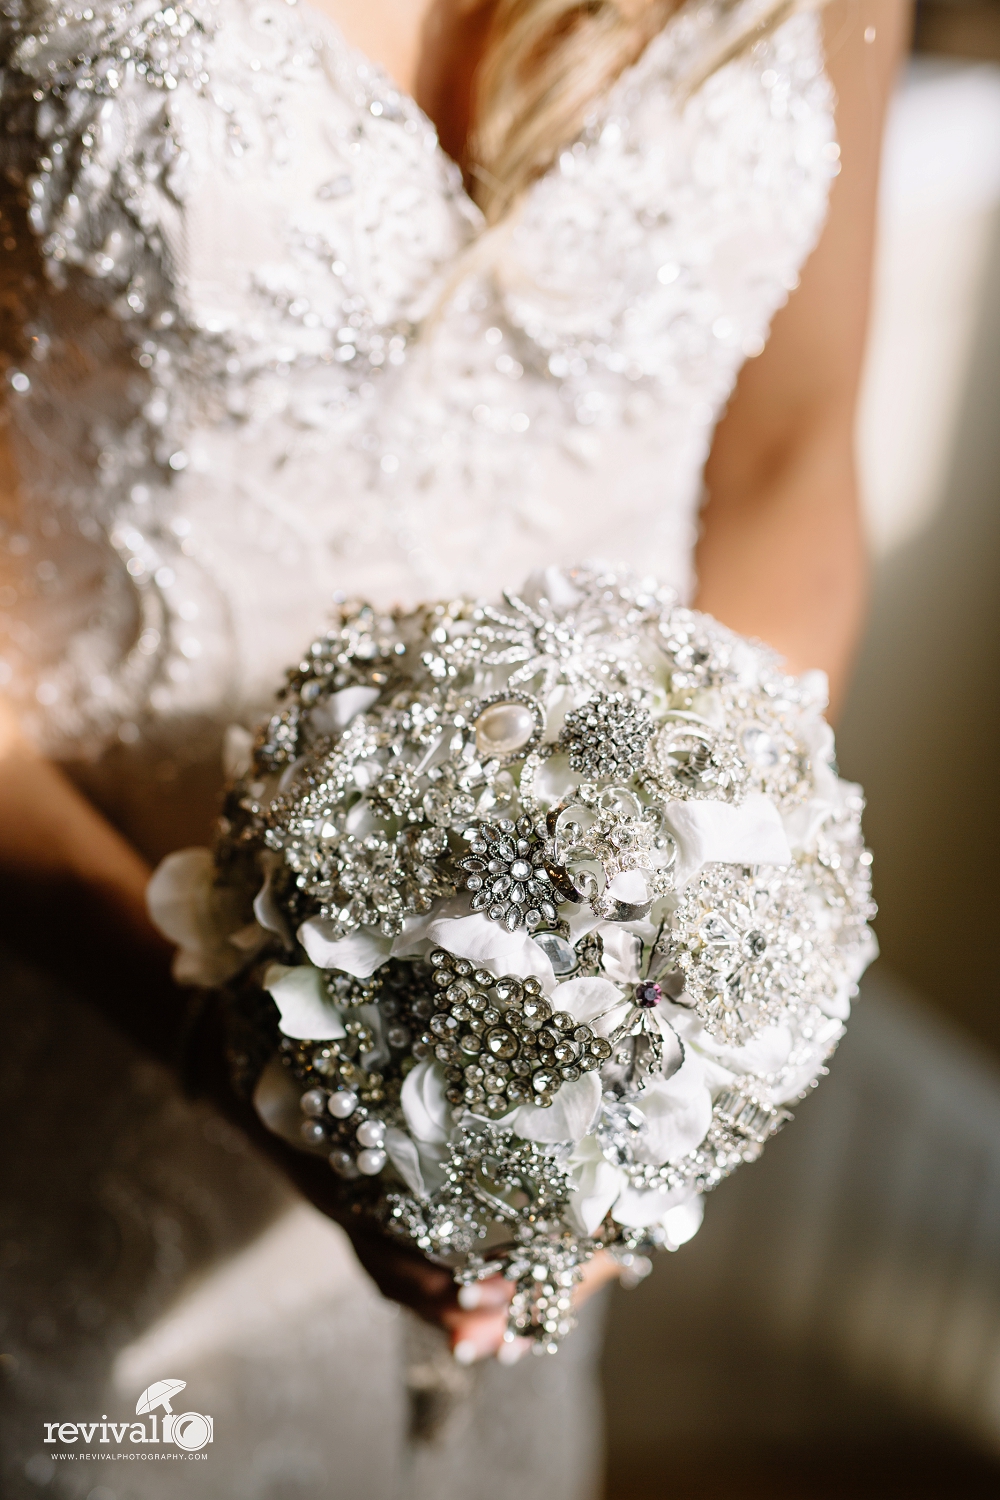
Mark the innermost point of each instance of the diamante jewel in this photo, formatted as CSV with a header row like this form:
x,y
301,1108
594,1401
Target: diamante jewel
x,y
498,1040
506,872
606,738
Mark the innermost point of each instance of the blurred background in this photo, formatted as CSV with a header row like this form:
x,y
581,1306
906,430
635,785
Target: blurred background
x,y
837,1332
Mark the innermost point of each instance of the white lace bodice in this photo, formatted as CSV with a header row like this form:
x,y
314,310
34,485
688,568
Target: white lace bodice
x,y
261,349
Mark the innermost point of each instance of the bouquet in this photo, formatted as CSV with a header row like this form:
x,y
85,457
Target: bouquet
x,y
532,919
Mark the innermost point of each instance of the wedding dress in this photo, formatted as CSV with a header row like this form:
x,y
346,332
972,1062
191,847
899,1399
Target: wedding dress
x,y
260,350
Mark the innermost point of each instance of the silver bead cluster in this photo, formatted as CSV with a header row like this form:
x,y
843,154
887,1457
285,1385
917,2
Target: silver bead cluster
x,y
498,1039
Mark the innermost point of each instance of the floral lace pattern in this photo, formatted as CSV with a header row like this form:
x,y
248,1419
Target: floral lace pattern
x,y
254,329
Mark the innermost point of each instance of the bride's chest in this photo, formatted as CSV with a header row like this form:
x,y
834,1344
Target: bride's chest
x,y
232,169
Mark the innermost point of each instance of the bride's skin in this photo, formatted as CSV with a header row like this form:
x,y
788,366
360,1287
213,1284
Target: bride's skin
x,y
781,557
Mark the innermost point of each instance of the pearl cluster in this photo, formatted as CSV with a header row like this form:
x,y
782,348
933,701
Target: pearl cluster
x,y
340,1117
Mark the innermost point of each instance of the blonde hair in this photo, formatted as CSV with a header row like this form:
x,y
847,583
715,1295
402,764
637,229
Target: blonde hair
x,y
545,64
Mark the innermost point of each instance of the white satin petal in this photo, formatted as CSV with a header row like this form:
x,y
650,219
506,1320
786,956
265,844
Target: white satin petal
x,y
683,1222
403,1153
678,1114
622,949
571,1114
237,752
629,885
359,954
266,909
302,1000
488,943
186,905
766,1053
637,1208
276,1100
552,585
717,832
425,1108
593,1002
601,1183
334,714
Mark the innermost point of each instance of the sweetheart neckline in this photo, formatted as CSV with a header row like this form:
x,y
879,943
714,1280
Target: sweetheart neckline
x,y
310,14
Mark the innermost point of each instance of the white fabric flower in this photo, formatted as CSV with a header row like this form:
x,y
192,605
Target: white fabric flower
x,y
489,944
333,715
599,1184
622,952
629,885
554,779
425,1107
552,585
830,795
676,1210
276,1100
237,752
418,1156
814,690
572,1113
417,1162
265,908
717,832
360,954
678,1113
593,1002
683,1222
302,999
402,1151
794,1081
202,918
557,706
637,1208
765,1053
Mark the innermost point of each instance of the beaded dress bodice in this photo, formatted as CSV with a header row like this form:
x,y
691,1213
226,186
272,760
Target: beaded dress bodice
x,y
261,348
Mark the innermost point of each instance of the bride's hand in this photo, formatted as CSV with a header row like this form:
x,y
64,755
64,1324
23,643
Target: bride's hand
x,y
474,1317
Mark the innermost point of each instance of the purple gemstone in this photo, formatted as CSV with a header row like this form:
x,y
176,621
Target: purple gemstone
x,y
648,994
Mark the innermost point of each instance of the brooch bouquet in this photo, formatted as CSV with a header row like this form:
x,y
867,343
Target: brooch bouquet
x,y
532,919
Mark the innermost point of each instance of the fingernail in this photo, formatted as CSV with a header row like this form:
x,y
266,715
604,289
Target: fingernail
x,y
494,1292
466,1352
511,1350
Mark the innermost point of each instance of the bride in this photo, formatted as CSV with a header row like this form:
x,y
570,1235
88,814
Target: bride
x,y
393,299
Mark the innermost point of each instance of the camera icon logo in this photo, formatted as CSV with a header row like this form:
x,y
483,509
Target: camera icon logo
x,y
190,1430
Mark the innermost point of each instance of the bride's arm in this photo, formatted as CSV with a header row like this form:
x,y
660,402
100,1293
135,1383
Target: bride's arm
x,y
782,553
73,900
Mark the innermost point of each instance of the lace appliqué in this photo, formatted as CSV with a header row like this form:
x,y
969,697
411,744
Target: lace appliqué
x,y
229,237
